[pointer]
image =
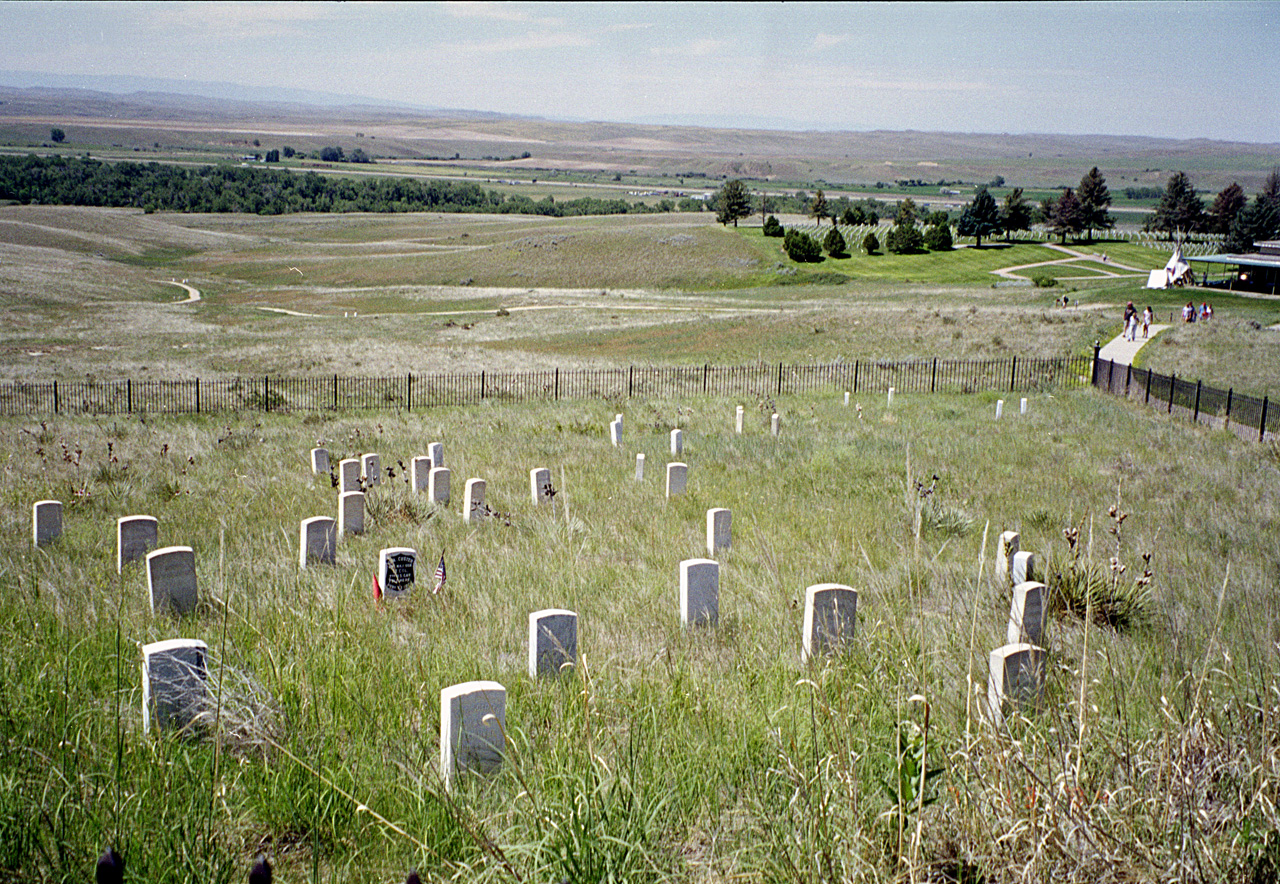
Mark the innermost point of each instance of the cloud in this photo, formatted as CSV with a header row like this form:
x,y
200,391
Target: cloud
x,y
705,46
233,20
531,42
507,12
827,41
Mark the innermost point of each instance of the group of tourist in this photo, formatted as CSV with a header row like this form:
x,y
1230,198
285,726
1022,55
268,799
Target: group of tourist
x,y
1190,314
1131,320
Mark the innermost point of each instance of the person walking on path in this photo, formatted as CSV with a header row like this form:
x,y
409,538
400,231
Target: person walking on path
x,y
1147,316
1130,331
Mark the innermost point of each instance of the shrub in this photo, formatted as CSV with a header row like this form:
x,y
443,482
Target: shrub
x,y
903,239
801,247
834,243
938,238
870,244
1044,281
773,227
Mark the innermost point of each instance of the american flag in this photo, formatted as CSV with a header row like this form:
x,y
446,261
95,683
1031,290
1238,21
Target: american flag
x,y
440,576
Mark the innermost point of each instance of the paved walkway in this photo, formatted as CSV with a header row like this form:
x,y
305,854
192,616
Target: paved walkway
x,y
1103,270
193,293
1122,351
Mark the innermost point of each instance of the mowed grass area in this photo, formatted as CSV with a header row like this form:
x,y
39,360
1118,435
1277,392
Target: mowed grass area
x,y
670,754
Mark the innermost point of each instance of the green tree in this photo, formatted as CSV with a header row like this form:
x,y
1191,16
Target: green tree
x,y
359,156
1094,199
938,237
287,151
1271,188
834,243
1180,210
853,216
906,212
1066,217
801,247
1015,214
273,156
331,154
818,207
1256,222
870,244
732,202
772,227
904,236
57,136
1226,205
981,217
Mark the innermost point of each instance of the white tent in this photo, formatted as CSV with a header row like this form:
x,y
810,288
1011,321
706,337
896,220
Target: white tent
x,y
1176,272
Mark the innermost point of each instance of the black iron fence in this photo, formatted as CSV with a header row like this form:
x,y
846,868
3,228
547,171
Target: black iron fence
x,y
1247,416
415,391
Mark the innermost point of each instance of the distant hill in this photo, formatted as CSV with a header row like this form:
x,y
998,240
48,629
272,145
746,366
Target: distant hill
x,y
176,121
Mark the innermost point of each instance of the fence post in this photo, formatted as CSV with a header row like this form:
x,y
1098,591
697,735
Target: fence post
x,y
1195,416
482,383
55,397
128,386
1230,390
1262,422
335,392
706,367
408,393
1146,399
1013,374
779,378
631,379
197,395
933,379
856,363
1173,382
557,383
1128,376
266,393
1093,377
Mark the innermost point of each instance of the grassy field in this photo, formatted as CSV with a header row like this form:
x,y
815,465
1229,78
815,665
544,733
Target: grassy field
x,y
670,754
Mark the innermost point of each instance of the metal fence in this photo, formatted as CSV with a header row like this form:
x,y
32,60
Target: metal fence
x,y
412,391
1247,416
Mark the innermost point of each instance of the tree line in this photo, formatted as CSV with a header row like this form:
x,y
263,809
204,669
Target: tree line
x,y
75,181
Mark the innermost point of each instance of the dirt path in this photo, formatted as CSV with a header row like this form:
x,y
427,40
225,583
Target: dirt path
x,y
193,294
1104,272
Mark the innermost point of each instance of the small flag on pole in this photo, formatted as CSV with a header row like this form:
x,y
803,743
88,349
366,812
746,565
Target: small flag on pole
x,y
440,576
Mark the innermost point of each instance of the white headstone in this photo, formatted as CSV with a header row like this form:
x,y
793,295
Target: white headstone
x,y
435,451
46,521
175,683
319,460
999,408
438,483
396,566
1008,546
891,391
171,579
421,469
1016,678
719,530
677,475
351,513
846,398
699,592
317,539
615,433
830,617
1023,408
135,537
1026,613
1022,568
618,418
677,442
553,641
349,475
640,467
473,507
473,721
773,424
737,420
540,485
371,466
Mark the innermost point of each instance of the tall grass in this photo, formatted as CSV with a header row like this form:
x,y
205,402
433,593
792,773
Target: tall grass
x,y
668,754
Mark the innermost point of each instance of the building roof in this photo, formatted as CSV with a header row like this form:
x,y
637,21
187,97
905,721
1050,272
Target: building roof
x,y
1250,260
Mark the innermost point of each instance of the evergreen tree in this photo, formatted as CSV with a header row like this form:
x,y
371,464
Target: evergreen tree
x,y
834,243
1271,188
1180,210
818,207
773,227
906,212
1256,222
801,247
732,201
1226,205
1094,199
981,217
938,237
1067,216
870,244
1015,214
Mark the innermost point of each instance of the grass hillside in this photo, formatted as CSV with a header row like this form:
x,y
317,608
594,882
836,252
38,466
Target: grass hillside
x,y
670,754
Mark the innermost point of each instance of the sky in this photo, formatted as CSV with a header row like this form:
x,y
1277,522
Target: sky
x,y
1168,69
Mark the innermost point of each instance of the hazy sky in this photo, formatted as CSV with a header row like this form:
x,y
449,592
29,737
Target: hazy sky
x,y
1177,69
